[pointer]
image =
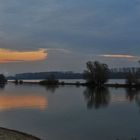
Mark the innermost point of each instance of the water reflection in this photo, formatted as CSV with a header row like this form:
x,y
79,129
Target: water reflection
x,y
133,94
97,97
138,99
52,88
8,102
2,86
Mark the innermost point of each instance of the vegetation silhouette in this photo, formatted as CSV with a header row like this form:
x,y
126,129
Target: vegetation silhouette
x,y
18,82
3,79
51,88
51,83
96,74
132,80
51,80
97,97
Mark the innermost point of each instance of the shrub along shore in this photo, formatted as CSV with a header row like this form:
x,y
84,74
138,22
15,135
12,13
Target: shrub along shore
x,y
46,83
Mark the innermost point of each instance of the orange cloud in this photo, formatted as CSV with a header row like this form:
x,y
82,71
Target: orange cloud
x,y
121,56
7,55
8,102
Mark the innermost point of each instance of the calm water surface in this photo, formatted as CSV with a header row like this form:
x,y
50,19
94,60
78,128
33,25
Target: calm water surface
x,y
71,113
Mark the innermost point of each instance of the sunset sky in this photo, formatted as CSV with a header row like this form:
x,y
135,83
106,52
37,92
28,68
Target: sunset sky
x,y
54,35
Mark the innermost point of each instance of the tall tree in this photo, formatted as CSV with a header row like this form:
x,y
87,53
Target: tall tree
x,y
3,79
97,73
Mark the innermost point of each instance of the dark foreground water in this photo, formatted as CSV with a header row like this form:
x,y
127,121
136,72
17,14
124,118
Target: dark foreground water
x,y
71,113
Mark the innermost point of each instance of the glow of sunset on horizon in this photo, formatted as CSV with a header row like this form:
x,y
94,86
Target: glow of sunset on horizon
x,y
8,102
7,55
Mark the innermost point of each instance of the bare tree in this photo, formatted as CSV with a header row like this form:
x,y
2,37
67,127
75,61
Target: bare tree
x,y
131,79
3,79
97,73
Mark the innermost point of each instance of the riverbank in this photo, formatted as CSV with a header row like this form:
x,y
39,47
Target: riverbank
x,y
115,85
8,134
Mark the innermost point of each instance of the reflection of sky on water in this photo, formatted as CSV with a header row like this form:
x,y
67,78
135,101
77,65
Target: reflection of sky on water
x,y
67,115
9,102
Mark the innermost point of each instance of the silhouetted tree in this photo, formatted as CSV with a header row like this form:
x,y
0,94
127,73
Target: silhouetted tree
x,y
51,80
16,82
3,79
132,79
97,73
21,82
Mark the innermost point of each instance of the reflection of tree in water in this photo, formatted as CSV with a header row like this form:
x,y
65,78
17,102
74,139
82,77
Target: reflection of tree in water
x,y
133,94
2,86
138,99
97,97
51,88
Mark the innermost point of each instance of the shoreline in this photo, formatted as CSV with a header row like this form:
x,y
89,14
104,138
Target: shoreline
x,y
10,134
115,85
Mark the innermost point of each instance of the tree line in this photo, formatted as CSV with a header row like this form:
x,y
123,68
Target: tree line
x,y
97,74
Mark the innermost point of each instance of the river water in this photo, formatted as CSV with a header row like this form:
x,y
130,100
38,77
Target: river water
x,y
70,112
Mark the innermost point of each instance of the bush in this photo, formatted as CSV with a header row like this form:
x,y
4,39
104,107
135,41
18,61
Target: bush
x,y
50,81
